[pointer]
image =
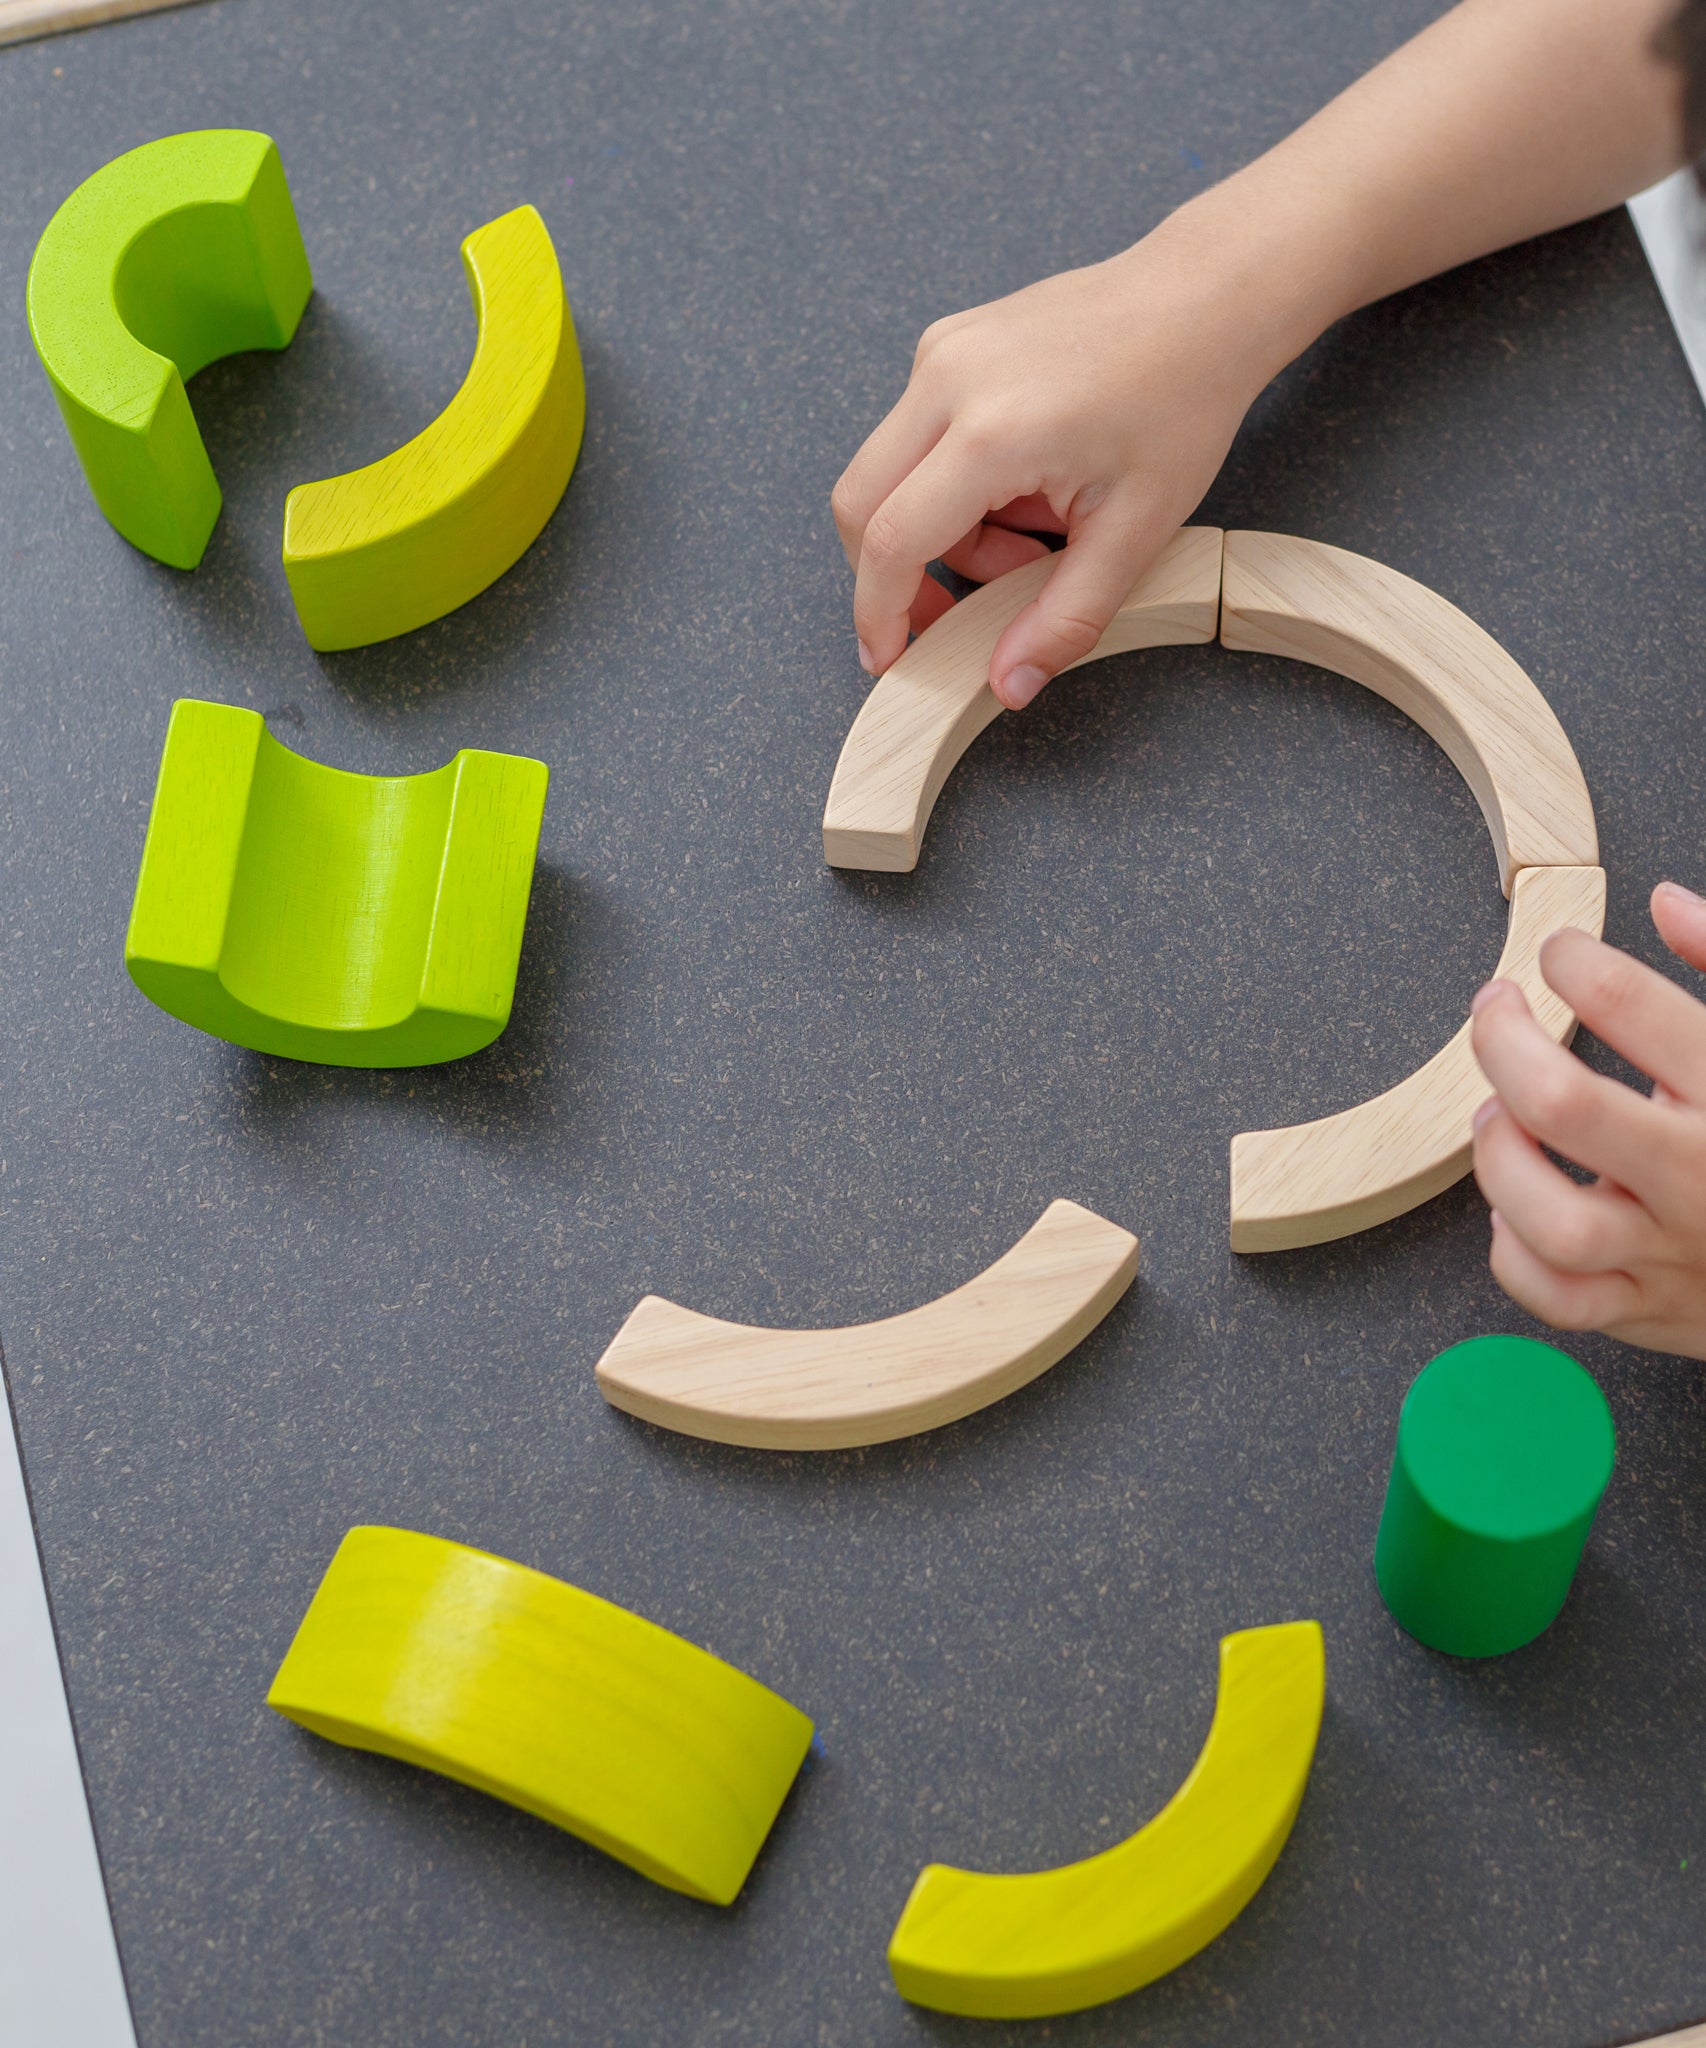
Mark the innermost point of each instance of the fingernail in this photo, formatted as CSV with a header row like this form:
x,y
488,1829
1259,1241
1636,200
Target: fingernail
x,y
1676,889
1484,1115
1019,685
1484,995
865,660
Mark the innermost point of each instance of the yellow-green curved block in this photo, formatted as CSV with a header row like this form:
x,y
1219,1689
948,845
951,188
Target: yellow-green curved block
x,y
352,920
1055,1941
387,548
551,1698
169,257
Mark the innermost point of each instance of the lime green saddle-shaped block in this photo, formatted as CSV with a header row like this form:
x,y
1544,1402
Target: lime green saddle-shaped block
x,y
529,1688
169,257
352,920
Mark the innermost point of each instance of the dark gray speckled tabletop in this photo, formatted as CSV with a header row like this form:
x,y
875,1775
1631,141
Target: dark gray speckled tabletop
x,y
246,1303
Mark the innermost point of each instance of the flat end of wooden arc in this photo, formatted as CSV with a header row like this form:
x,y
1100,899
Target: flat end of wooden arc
x,y
858,846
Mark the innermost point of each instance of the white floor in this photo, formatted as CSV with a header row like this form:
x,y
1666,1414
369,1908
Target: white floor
x,y
1671,221
60,1985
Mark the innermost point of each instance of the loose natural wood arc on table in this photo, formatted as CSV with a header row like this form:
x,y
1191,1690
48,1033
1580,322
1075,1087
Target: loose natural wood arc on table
x,y
1277,594
819,1390
22,20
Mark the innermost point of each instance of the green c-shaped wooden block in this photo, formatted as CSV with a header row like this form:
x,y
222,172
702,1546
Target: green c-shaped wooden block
x,y
551,1698
169,257
352,920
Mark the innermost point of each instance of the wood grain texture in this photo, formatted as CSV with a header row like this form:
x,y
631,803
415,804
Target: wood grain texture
x,y
819,1390
23,20
1684,2037
1302,598
1311,1182
928,708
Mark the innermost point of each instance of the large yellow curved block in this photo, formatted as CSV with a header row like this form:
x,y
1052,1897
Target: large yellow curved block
x,y
387,548
553,1699
1055,1941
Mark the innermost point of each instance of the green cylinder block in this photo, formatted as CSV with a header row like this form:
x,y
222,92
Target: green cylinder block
x,y
1505,1446
169,257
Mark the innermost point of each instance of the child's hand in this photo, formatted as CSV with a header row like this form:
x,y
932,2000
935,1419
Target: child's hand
x,y
1628,1254
1098,404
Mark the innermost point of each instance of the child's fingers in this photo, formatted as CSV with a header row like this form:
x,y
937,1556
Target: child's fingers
x,y
1680,916
1655,1025
891,451
1599,1124
1103,559
1568,1301
1030,514
929,604
989,551
1575,1229
932,507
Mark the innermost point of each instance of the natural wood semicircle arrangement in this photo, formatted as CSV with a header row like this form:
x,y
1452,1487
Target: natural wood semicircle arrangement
x,y
1275,594
819,1390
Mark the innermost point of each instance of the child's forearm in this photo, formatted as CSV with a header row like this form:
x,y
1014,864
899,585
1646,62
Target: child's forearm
x,y
1505,119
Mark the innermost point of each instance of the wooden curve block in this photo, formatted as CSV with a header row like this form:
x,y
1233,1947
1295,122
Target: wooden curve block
x,y
1055,1941
1311,1182
819,1390
387,548
1281,595
566,1706
173,255
352,920
927,709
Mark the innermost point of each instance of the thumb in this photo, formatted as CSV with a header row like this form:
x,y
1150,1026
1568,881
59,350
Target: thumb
x,y
1092,576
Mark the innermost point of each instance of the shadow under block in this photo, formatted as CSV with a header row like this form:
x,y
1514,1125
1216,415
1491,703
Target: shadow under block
x,y
173,255
819,1390
387,548
548,1697
925,711
1311,1182
351,920
1505,1448
1055,1941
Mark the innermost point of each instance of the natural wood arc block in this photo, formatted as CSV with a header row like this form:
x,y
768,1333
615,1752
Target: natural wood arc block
x,y
925,711
390,547
1311,1182
820,1390
22,20
1315,603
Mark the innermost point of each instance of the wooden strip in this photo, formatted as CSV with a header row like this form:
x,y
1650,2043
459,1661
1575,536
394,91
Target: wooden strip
x,y
59,1969
1311,1182
928,708
818,1390
21,21
1282,595
1685,2037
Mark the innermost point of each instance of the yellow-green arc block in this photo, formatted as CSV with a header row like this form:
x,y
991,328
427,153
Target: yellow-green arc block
x,y
385,549
1054,1941
546,1696
166,259
350,920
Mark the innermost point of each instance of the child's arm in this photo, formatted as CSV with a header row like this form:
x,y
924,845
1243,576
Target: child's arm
x,y
1101,402
1628,1254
